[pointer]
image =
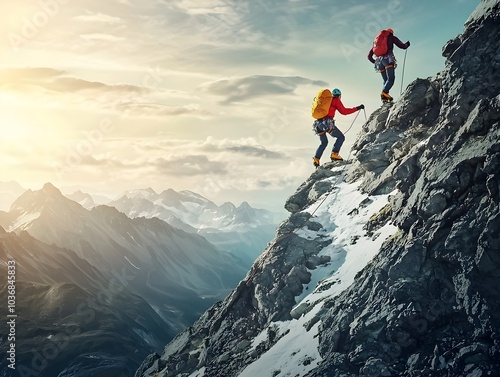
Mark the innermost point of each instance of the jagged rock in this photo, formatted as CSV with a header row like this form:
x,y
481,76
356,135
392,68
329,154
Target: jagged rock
x,y
297,311
314,187
149,365
242,345
314,261
394,135
427,303
375,368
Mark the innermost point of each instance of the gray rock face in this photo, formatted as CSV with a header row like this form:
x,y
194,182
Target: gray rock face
x,y
310,191
429,302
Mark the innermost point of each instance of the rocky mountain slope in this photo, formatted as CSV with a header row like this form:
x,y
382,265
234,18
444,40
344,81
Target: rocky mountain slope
x,y
389,265
72,320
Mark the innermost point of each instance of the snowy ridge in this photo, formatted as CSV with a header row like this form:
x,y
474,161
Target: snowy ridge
x,y
24,221
343,214
344,221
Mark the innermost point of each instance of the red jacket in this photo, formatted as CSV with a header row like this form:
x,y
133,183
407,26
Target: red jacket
x,y
338,105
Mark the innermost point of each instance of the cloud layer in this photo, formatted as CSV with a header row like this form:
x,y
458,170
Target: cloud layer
x,y
210,94
245,88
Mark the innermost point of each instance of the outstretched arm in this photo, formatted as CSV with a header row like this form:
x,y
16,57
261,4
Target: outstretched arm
x,y
341,108
400,44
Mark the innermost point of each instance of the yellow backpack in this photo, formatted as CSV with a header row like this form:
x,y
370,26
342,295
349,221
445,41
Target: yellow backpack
x,y
321,104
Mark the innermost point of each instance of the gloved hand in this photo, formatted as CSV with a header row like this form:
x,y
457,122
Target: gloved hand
x,y
407,44
360,107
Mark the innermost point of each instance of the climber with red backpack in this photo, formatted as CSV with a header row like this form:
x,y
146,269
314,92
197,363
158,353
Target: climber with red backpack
x,y
385,61
325,105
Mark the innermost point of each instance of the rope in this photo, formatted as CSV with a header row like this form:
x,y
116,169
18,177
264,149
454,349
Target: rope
x,y
252,273
352,123
403,73
341,171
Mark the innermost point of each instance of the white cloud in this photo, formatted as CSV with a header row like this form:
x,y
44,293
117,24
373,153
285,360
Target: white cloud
x,y
217,7
243,88
98,17
221,169
57,88
155,110
102,37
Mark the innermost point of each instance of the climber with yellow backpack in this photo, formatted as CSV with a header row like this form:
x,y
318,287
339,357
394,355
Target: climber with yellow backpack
x,y
325,104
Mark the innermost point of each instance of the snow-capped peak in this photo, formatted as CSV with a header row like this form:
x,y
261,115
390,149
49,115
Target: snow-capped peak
x,y
146,193
191,209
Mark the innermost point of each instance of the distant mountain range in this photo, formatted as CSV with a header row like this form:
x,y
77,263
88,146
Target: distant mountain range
x,y
84,199
192,209
242,230
166,276
171,268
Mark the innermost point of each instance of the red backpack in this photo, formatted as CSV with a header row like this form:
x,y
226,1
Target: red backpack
x,y
380,43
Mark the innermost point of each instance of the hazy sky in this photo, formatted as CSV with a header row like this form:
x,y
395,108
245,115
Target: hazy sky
x,y
211,96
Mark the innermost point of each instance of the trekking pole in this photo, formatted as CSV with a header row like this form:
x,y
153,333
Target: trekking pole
x,y
403,73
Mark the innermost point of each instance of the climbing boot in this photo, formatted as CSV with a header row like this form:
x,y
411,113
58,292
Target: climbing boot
x,y
385,97
336,157
315,161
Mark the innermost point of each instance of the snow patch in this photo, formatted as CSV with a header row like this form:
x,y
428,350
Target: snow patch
x,y
148,338
352,248
24,221
133,239
343,213
295,354
133,265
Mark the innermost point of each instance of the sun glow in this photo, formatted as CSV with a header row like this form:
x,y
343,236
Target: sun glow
x,y
12,128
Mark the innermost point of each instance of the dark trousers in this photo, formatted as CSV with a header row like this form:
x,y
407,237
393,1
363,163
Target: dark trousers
x,y
336,133
388,73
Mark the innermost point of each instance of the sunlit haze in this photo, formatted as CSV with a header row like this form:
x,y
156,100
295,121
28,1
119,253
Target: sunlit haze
x,y
210,96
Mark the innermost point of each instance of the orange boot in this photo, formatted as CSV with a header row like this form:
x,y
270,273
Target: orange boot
x,y
385,97
336,157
